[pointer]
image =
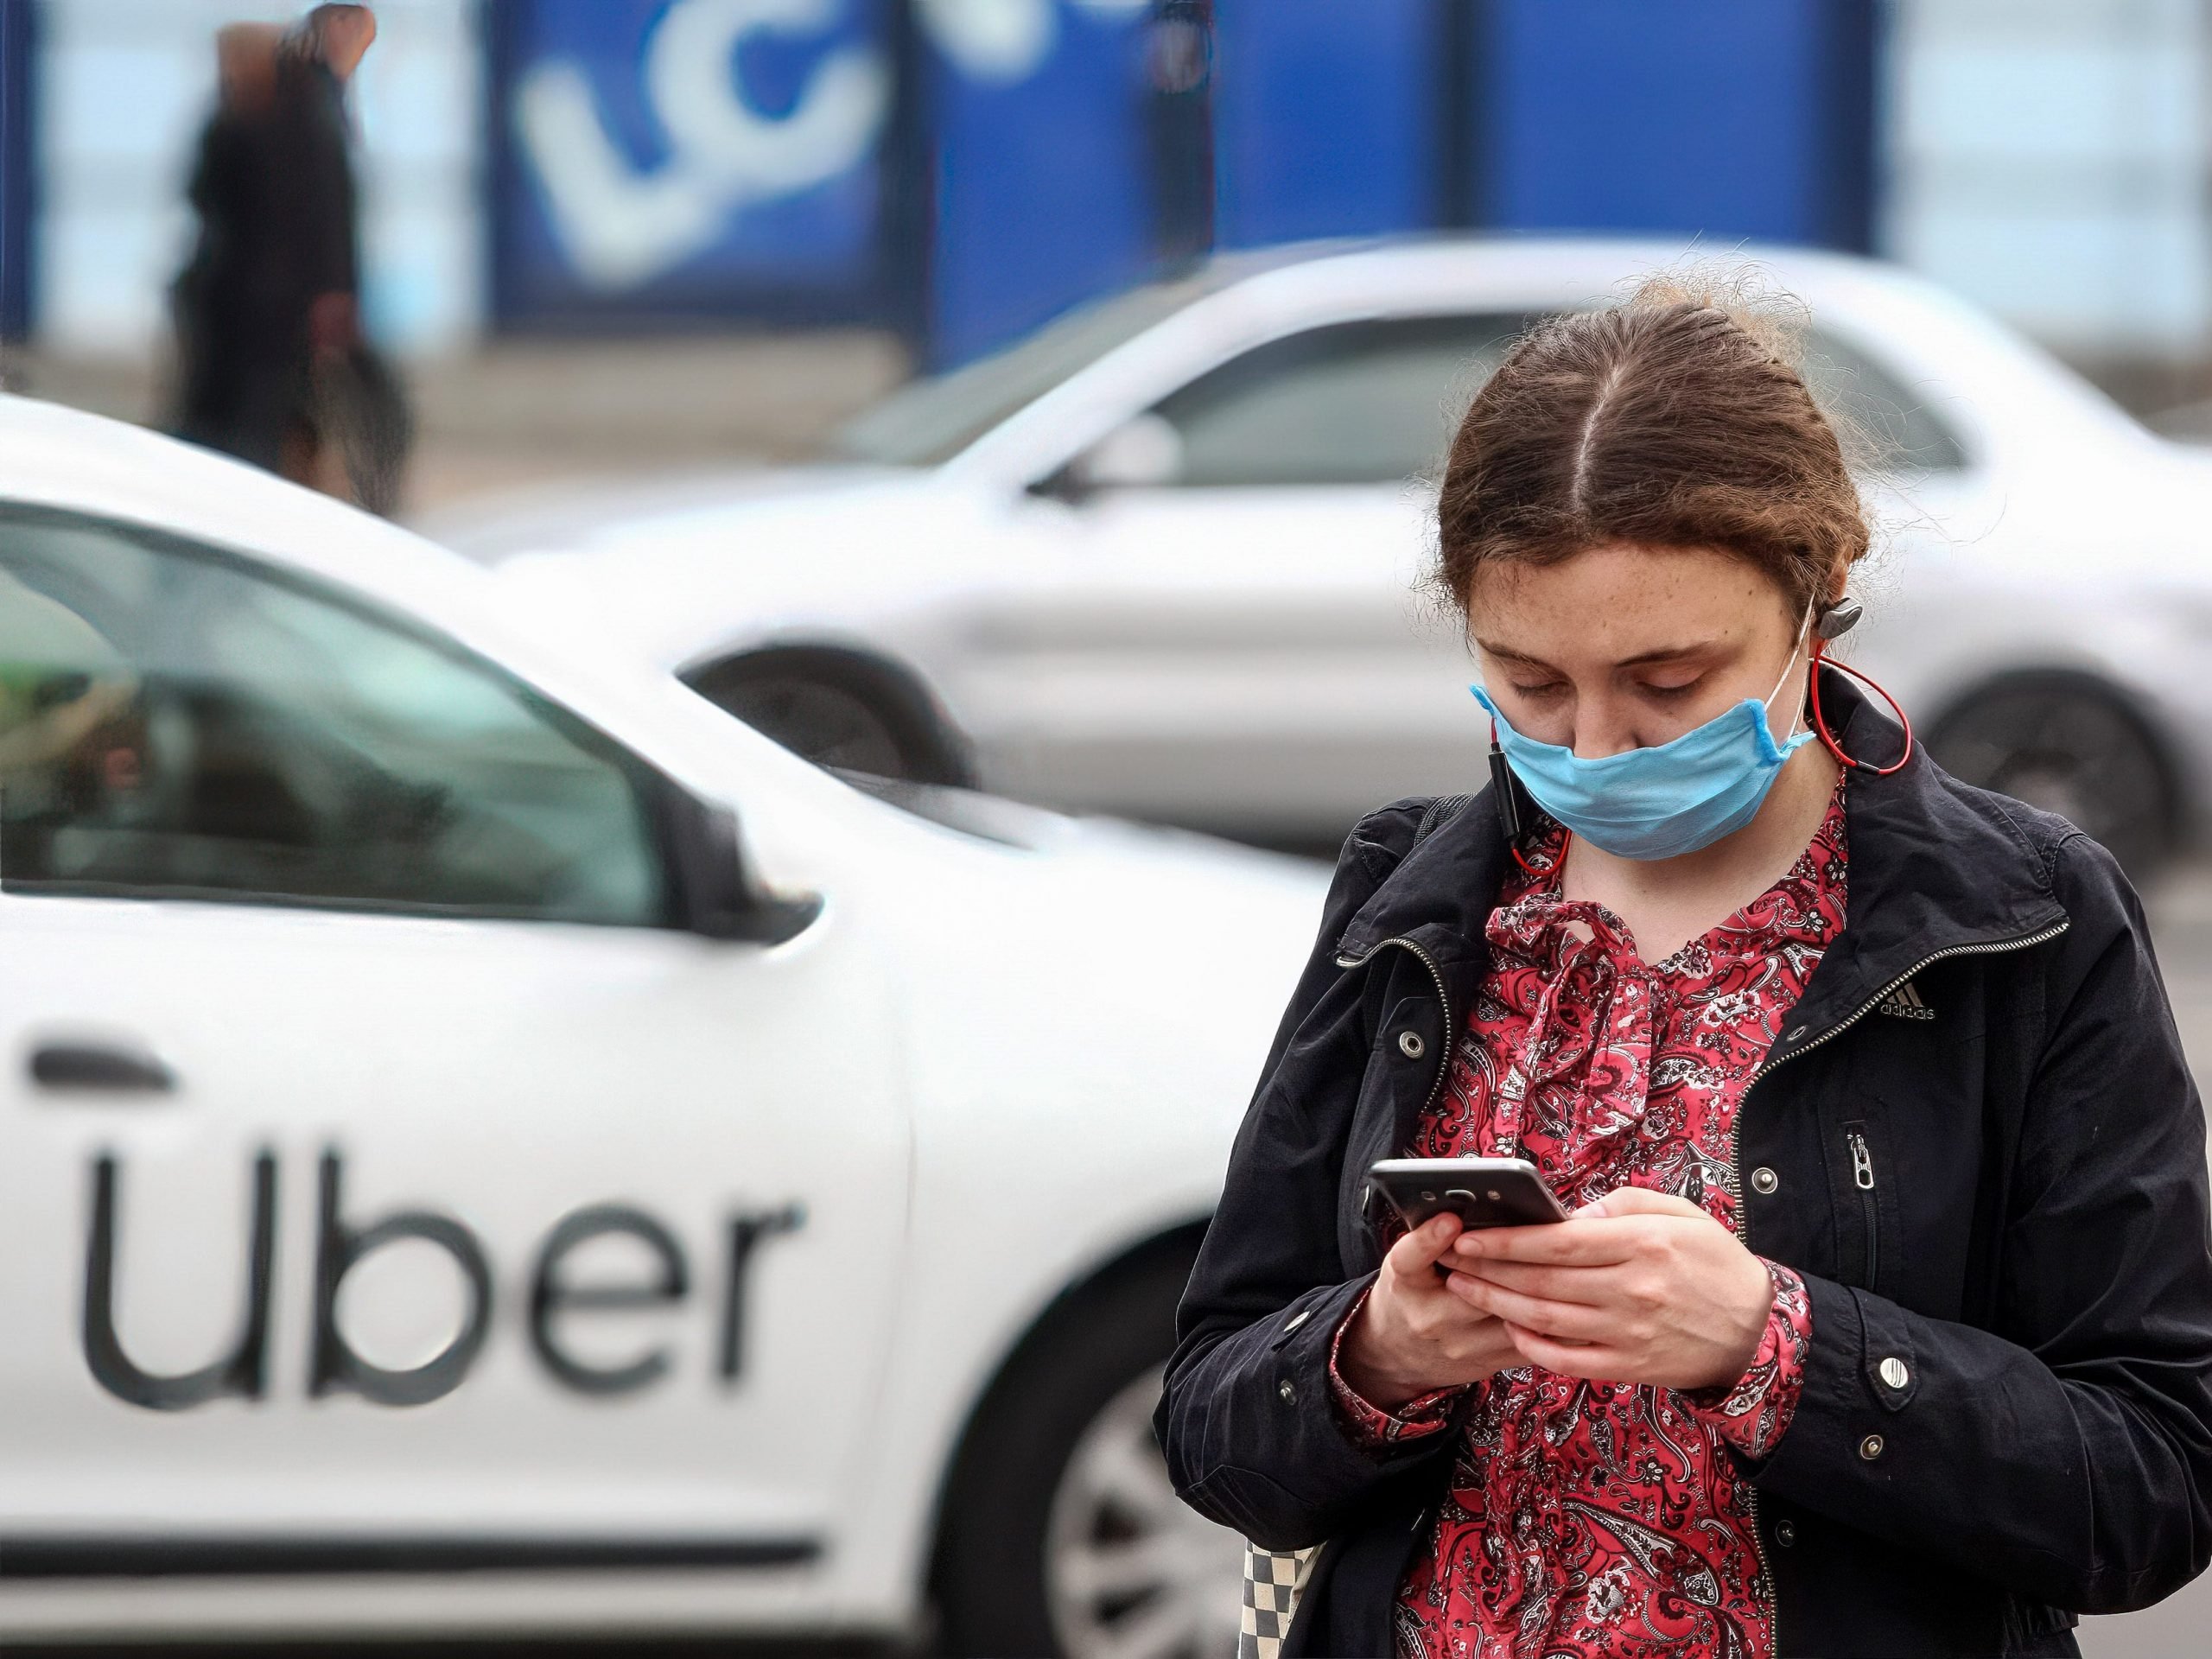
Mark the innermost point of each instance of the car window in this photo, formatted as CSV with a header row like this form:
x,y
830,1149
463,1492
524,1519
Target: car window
x,y
1356,402
174,721
1888,426
1376,402
933,420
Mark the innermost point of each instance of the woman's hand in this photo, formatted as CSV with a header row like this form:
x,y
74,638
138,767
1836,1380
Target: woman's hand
x,y
1638,1287
1412,1336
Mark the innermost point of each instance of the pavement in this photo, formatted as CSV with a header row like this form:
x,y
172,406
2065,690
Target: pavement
x,y
514,414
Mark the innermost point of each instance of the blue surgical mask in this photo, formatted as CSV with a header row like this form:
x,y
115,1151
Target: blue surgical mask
x,y
1662,802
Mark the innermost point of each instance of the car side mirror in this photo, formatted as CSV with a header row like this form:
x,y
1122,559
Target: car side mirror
x,y
715,896
1143,452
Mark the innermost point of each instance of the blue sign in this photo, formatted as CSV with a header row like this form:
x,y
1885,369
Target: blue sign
x,y
1325,118
968,169
1727,118
18,43
1041,182
688,157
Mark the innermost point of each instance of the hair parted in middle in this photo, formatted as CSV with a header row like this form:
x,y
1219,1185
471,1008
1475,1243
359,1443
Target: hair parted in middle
x,y
1676,418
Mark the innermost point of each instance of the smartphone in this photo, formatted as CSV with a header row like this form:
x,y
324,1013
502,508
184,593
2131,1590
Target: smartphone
x,y
1481,1192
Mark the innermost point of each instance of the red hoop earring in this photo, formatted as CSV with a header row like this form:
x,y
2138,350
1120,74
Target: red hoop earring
x,y
1819,720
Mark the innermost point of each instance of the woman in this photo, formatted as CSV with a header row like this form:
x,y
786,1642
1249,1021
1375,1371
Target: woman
x,y
1884,1323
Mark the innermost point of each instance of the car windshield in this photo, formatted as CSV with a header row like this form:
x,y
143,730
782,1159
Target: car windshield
x,y
933,420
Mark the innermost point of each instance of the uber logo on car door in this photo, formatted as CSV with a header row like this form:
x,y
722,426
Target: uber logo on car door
x,y
343,1242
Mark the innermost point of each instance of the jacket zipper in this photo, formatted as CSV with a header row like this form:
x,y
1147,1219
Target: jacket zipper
x,y
1862,1177
1736,1178
1443,1002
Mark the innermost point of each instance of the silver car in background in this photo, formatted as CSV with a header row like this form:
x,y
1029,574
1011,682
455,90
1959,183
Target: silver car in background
x,y
1162,559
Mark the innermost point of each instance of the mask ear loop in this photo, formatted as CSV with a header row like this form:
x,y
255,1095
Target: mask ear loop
x,y
1804,629
1501,780
1819,720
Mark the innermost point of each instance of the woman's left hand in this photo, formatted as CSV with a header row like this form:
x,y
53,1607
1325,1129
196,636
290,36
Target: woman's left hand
x,y
1640,1287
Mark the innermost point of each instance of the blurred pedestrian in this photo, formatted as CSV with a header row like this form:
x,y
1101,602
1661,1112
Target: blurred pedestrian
x,y
1881,1320
229,365
274,365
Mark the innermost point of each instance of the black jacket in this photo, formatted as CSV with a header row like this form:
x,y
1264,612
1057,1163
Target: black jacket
x,y
2033,1250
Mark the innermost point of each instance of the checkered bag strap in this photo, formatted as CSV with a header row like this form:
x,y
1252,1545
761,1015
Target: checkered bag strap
x,y
1274,1580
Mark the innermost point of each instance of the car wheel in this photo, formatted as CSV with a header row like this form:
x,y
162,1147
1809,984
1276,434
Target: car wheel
x,y
2071,748
840,710
1062,1534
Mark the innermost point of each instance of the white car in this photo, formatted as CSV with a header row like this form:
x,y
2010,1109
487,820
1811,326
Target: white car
x,y
1160,559
492,1143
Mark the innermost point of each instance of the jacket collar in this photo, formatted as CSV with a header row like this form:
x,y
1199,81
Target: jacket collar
x,y
1934,868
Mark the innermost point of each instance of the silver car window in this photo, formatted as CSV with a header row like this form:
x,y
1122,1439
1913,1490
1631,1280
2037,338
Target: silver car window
x,y
934,419
1356,402
176,722
1376,403
1887,426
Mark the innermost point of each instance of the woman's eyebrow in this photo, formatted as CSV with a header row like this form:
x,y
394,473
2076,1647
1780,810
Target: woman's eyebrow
x,y
1507,654
1667,654
1643,659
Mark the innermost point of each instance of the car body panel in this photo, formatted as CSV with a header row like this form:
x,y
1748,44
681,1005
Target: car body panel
x,y
963,1077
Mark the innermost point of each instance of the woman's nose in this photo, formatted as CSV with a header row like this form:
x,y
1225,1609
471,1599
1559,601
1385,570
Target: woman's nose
x,y
1599,732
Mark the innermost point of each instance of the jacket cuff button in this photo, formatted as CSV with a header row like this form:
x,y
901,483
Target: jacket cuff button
x,y
1870,1448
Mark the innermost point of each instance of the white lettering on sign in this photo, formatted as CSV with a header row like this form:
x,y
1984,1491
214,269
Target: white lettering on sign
x,y
620,227
1005,41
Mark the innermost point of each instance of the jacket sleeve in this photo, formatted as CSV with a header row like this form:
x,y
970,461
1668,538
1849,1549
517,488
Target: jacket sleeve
x,y
1248,1422
2070,1457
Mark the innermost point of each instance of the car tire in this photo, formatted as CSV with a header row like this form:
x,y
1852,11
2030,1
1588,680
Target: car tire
x,y
2070,747
842,710
1061,1535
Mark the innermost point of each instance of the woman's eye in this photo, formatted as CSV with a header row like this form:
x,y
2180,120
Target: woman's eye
x,y
1539,692
1671,693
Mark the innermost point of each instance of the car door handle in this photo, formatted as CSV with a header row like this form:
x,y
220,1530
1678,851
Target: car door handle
x,y
107,1068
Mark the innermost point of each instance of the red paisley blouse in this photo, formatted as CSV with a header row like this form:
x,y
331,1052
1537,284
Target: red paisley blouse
x,y
1587,1518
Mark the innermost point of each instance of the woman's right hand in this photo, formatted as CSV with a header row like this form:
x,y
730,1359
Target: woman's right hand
x,y
1412,1336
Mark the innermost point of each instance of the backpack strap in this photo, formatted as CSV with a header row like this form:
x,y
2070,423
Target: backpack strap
x,y
1441,811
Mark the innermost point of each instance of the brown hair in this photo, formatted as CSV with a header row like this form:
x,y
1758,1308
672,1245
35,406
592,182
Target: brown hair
x,y
1676,419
